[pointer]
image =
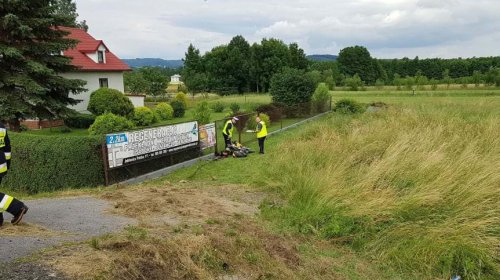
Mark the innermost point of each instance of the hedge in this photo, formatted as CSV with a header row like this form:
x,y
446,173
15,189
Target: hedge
x,y
49,163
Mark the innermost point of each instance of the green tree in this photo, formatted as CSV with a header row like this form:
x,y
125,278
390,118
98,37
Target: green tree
x,y
357,60
196,82
446,78
194,71
238,64
202,113
397,81
291,87
156,80
255,67
298,58
134,82
420,80
66,10
476,78
31,60
275,56
315,76
321,97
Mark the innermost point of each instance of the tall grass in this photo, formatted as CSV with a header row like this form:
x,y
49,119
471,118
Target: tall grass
x,y
415,188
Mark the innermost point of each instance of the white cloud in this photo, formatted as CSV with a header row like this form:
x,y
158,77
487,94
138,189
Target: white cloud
x,y
389,28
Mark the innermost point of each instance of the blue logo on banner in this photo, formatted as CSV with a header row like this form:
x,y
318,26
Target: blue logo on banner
x,y
194,131
116,139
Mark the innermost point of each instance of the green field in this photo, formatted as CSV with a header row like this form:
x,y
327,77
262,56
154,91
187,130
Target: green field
x,y
412,189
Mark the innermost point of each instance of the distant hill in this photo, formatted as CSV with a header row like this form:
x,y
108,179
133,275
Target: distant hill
x,y
322,57
142,62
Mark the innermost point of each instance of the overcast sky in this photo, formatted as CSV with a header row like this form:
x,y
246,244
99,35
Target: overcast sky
x,y
388,28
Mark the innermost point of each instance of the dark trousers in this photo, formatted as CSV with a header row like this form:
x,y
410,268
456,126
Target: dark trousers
x,y
227,140
261,144
14,208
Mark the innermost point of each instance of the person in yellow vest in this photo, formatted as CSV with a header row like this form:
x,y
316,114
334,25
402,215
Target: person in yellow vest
x,y
261,131
7,202
227,131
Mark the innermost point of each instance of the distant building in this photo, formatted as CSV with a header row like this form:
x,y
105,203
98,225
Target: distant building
x,y
175,79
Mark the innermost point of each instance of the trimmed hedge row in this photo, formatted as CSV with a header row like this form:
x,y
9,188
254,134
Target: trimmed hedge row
x,y
49,163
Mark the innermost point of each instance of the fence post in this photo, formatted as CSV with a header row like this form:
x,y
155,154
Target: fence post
x,y
105,162
216,137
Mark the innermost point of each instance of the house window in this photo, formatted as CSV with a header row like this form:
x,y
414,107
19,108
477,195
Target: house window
x,y
100,56
103,82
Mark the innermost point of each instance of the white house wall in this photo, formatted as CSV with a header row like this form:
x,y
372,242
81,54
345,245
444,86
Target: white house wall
x,y
115,81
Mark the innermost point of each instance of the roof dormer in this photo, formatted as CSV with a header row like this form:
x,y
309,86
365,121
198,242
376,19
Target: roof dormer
x,y
98,55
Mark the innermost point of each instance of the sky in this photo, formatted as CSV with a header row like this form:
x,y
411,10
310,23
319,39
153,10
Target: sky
x,y
388,28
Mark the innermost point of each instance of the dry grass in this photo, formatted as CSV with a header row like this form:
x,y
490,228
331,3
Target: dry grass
x,y
26,230
215,236
416,189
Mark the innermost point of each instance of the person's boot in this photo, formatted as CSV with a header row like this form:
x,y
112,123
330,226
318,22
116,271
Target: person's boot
x,y
17,218
1,219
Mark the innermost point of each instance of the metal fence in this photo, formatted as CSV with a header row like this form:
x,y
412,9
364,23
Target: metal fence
x,y
280,116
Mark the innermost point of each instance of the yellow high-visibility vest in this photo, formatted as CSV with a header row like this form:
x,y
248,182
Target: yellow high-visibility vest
x,y
230,131
263,131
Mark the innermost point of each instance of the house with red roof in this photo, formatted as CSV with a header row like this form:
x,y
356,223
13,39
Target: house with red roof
x,y
97,65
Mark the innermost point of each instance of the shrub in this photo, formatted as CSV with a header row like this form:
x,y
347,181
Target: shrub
x,y
291,87
108,123
252,124
218,107
64,129
179,108
354,83
182,97
379,84
164,111
202,113
110,100
182,88
50,163
274,111
156,99
235,107
348,106
320,98
143,116
78,120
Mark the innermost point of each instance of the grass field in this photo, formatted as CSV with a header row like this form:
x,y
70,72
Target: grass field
x,y
414,188
409,192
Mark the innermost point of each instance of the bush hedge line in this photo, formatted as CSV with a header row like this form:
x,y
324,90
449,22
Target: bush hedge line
x,y
49,163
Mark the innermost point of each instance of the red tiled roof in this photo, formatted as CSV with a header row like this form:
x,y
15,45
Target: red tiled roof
x,y
87,44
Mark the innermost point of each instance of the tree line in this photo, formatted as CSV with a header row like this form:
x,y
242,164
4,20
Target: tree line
x,y
238,67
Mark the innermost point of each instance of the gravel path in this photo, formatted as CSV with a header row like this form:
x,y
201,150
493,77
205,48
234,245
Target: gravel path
x,y
72,219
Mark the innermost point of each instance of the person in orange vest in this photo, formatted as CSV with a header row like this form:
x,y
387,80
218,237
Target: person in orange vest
x,y
7,202
261,132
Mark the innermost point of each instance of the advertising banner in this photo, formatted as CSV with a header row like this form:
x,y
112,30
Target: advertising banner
x,y
207,135
135,146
